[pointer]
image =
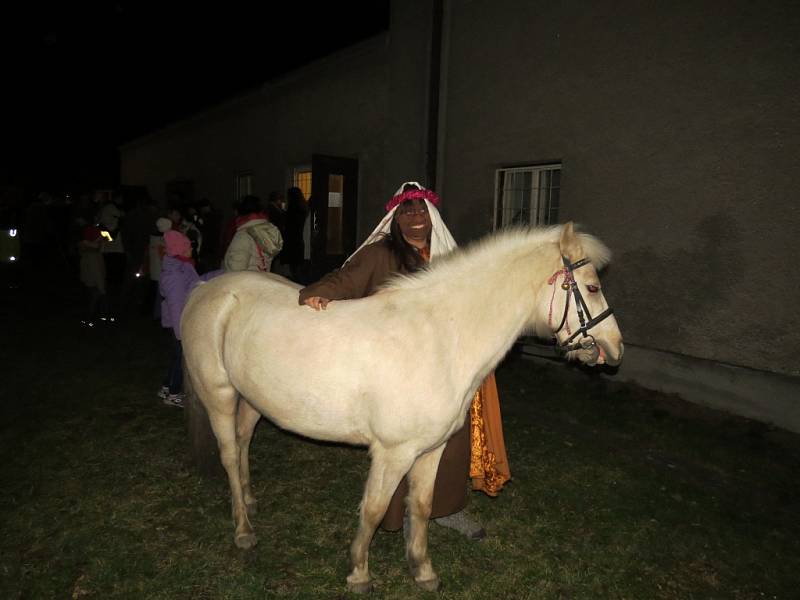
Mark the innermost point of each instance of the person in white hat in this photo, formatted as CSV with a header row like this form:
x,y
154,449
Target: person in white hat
x,y
410,235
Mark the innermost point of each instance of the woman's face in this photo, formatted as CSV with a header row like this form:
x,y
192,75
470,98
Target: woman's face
x,y
414,222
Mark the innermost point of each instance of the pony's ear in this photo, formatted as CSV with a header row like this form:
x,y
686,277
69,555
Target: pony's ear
x,y
569,244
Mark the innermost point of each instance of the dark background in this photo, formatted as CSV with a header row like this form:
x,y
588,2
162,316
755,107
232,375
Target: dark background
x,y
81,79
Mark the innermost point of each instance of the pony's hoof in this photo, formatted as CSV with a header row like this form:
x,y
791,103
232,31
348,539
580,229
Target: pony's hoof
x,y
252,508
429,585
360,587
245,541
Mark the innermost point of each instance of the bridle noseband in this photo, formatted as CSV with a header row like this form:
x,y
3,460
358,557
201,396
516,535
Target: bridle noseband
x,y
584,316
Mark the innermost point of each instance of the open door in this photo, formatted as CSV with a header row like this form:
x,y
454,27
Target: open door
x,y
332,210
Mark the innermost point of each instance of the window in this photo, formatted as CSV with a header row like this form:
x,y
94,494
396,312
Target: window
x,y
242,185
301,177
527,195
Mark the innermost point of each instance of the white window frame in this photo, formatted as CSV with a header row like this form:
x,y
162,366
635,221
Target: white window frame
x,y
540,201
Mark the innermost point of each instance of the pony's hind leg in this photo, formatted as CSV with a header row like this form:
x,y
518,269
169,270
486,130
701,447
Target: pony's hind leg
x,y
421,480
385,473
222,415
246,421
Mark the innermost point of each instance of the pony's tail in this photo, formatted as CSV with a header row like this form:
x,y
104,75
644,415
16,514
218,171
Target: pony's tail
x,y
202,446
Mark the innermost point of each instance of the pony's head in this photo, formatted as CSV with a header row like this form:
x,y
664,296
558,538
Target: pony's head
x,y
577,312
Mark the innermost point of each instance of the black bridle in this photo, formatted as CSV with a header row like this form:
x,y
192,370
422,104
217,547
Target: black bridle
x,y
585,317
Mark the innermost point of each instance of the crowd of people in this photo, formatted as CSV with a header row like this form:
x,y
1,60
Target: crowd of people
x,y
120,245
164,254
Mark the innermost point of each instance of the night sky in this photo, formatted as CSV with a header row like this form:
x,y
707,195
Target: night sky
x,y
79,79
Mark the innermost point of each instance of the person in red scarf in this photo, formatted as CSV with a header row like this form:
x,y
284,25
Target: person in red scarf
x,y
256,242
178,277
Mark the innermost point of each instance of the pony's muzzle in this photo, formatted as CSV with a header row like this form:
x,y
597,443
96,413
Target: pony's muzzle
x,y
611,354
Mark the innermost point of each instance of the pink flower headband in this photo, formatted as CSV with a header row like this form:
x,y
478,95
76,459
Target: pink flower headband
x,y
428,195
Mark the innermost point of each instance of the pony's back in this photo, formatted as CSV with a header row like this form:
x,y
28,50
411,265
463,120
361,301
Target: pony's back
x,y
244,283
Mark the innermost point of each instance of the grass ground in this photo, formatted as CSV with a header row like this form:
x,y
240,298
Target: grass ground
x,y
618,492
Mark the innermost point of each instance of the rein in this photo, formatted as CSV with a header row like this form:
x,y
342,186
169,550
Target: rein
x,y
585,317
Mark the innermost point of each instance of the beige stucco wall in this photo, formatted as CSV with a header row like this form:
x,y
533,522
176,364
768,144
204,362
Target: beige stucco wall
x,y
678,126
335,106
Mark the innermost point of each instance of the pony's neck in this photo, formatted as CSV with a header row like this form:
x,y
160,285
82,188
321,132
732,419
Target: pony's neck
x,y
488,295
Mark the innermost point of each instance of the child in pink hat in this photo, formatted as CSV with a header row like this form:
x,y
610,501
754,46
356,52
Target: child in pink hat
x,y
178,278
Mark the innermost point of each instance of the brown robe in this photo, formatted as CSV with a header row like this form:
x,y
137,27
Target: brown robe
x,y
360,277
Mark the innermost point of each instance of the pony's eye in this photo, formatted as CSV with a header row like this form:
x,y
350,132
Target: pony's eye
x,y
593,289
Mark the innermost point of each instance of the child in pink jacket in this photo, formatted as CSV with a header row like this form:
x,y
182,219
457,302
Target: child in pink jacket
x,y
177,279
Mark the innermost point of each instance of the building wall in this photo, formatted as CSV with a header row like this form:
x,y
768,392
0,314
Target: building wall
x,y
409,80
678,127
336,106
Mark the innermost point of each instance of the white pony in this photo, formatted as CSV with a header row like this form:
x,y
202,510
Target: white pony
x,y
395,371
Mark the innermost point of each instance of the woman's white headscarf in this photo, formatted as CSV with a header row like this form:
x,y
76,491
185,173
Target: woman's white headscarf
x,y
442,241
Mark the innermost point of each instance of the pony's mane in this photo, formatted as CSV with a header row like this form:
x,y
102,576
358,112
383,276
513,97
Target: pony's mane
x,y
595,250
501,246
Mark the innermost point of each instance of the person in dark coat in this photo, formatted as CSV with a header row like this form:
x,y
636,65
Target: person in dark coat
x,y
411,234
293,251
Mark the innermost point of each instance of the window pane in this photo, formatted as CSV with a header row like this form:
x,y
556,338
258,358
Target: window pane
x,y
528,195
552,214
302,179
334,243
542,198
515,195
242,185
555,193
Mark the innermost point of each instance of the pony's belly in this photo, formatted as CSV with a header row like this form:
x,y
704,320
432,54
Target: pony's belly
x,y
320,419
329,388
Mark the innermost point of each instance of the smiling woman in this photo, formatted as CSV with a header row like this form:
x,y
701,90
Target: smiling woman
x,y
414,223
410,235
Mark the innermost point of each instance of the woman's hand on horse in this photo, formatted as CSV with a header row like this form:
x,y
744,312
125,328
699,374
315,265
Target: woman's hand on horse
x,y
316,302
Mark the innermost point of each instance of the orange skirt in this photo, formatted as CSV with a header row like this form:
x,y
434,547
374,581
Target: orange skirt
x,y
488,467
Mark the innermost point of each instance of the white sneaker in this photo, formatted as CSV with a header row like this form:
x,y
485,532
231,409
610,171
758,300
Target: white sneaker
x,y
163,392
174,400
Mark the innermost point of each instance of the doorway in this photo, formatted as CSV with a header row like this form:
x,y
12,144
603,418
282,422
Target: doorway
x,y
332,211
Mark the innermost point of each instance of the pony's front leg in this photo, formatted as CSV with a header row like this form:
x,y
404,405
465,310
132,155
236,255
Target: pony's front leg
x,y
385,473
421,480
224,426
246,421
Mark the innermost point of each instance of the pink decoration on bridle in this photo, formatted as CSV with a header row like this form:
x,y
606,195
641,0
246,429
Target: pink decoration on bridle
x,y
551,281
423,194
